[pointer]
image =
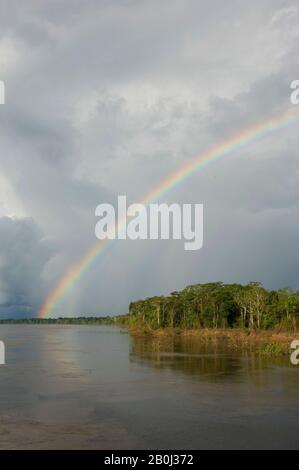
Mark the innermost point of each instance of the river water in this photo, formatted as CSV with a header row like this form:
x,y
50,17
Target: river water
x,y
95,387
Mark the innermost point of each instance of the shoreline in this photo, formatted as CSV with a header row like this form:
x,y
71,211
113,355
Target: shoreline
x,y
263,341
268,342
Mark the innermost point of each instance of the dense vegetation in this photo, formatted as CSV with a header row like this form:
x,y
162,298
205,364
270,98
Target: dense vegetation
x,y
218,305
213,305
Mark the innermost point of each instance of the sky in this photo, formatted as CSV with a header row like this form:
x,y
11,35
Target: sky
x,y
107,98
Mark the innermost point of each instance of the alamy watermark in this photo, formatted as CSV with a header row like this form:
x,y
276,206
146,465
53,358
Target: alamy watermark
x,y
153,222
295,354
2,345
2,353
2,92
294,98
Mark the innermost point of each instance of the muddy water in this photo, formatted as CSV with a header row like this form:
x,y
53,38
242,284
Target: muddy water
x,y
93,387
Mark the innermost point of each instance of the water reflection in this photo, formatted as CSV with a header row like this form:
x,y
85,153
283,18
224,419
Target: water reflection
x,y
201,360
98,387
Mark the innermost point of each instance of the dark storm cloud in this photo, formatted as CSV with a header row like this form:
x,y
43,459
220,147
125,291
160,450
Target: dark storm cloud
x,y
23,254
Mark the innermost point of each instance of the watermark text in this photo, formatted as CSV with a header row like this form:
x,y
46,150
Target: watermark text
x,y
153,222
295,353
2,92
2,353
295,94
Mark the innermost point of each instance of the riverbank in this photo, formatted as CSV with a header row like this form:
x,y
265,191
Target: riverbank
x,y
265,342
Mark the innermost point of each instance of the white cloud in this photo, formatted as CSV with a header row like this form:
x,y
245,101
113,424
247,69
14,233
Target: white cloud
x,y
10,205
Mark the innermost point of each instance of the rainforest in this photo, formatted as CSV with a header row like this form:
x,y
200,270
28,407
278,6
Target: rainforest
x,y
218,305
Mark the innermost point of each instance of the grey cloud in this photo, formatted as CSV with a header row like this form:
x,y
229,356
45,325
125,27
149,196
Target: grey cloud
x,y
23,255
108,98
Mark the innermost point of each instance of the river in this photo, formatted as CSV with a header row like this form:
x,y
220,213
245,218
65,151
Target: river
x,y
96,387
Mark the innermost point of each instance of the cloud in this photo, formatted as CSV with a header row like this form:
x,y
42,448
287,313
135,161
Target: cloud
x,y
108,98
23,255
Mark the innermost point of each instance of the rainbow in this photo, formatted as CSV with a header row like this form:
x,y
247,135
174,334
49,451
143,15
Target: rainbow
x,y
235,142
